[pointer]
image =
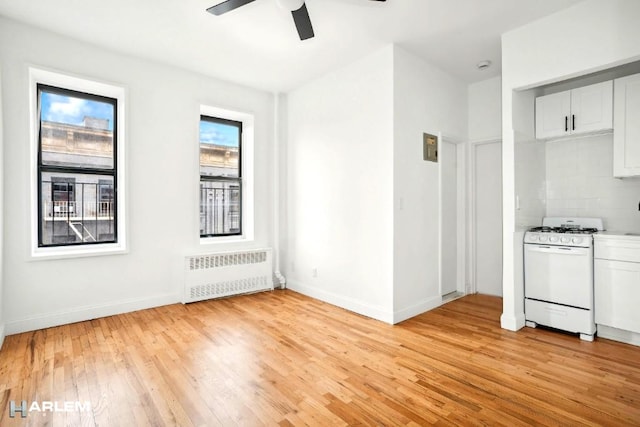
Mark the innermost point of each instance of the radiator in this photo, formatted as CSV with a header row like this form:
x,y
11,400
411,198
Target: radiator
x,y
223,274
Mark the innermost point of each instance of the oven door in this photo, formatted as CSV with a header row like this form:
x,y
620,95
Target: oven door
x,y
563,275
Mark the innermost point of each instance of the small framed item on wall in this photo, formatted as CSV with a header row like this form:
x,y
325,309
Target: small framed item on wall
x,y
430,147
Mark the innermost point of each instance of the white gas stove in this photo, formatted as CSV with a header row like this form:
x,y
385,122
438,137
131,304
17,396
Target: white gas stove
x,y
574,232
558,274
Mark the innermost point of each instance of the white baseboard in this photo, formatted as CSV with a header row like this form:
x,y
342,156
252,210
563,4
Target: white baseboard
x,y
416,309
618,335
1,335
512,323
375,312
80,314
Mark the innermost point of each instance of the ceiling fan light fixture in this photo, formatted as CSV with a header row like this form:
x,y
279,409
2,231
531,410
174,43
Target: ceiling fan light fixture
x,y
290,5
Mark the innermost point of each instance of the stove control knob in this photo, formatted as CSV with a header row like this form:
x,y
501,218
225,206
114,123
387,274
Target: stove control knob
x,y
553,239
577,240
565,240
543,238
533,237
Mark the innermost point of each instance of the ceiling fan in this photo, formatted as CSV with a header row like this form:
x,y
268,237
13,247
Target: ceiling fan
x,y
297,7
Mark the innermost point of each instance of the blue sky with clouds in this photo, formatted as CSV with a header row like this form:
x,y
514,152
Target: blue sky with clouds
x,y
218,134
71,110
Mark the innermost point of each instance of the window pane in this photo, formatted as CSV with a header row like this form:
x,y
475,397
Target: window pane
x,y
220,148
219,208
76,208
76,131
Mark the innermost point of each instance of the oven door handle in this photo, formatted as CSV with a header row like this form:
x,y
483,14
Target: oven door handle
x,y
558,250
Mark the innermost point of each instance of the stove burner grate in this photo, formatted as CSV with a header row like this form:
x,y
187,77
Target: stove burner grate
x,y
545,229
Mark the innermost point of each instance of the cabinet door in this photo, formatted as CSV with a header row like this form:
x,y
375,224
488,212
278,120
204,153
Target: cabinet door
x,y
592,108
617,294
626,127
552,115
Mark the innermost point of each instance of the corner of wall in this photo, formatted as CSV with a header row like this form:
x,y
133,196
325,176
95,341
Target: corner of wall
x,y
512,323
347,303
279,190
416,193
485,109
332,121
416,309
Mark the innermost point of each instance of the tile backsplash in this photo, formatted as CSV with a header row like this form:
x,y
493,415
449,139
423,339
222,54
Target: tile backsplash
x,y
530,181
579,182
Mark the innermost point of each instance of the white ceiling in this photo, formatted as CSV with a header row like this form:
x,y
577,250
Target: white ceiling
x,y
257,44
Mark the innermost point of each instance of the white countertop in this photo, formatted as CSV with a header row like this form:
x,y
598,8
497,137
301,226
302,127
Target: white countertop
x,y
617,235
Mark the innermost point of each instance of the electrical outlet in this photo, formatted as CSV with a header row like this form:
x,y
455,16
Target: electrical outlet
x,y
314,272
293,266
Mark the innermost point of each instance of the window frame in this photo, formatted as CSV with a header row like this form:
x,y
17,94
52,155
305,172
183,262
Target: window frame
x,y
76,170
247,169
221,178
87,87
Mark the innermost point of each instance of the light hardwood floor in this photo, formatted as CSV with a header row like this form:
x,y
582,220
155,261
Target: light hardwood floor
x,y
282,358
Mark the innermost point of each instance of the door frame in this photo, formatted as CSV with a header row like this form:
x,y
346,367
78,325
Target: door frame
x,y
461,190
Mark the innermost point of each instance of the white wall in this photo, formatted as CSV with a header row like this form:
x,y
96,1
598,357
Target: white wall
x,y
483,244
280,229
591,36
2,331
530,171
340,187
485,260
425,100
162,169
530,179
485,110
580,182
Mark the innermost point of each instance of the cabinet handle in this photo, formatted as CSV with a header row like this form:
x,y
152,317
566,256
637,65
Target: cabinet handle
x,y
566,123
573,122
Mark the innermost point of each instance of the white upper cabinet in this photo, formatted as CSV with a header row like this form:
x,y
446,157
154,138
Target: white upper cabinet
x,y
626,125
588,109
552,115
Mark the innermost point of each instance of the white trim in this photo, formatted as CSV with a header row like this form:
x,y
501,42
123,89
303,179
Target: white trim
x,y
512,323
37,75
620,335
416,309
351,304
460,214
473,223
461,247
80,251
221,240
277,118
1,219
440,152
81,314
248,173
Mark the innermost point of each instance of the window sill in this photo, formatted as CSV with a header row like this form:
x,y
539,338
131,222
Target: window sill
x,y
66,252
205,241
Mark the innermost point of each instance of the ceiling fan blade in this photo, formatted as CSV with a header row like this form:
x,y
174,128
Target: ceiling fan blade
x,y
227,6
303,22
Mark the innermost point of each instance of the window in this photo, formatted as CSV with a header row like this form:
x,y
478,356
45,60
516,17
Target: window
x,y
77,174
220,177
